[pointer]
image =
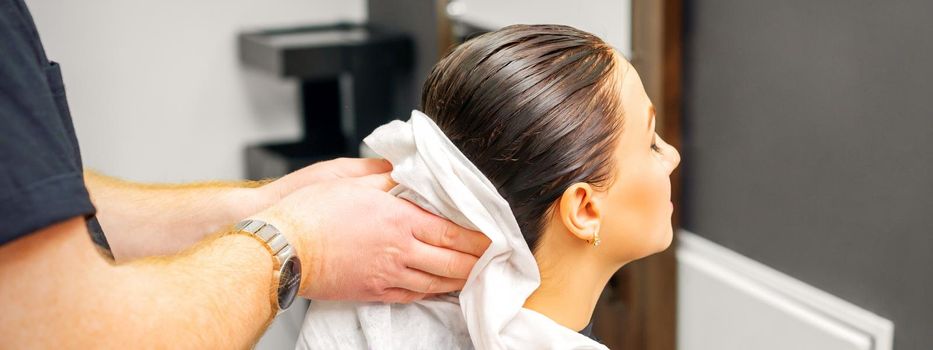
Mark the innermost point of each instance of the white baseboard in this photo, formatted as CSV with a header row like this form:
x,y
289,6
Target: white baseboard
x,y
728,301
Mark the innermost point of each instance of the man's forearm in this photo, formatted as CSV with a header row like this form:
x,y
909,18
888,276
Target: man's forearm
x,y
145,220
58,291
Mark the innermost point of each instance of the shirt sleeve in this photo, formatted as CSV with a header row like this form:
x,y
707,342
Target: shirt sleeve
x,y
41,177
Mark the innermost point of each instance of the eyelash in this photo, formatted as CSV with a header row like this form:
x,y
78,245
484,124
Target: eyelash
x,y
654,145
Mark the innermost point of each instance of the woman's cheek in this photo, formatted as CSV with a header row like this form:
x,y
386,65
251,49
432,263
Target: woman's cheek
x,y
656,205
641,214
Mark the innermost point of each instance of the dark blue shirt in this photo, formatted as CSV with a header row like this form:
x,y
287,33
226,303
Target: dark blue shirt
x,y
41,176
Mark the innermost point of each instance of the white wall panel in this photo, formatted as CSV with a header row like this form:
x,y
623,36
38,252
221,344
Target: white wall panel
x,y
727,301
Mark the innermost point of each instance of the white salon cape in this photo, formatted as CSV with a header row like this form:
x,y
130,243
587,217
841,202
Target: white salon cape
x,y
488,314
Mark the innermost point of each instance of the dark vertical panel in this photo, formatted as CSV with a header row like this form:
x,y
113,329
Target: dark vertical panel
x,y
809,145
426,23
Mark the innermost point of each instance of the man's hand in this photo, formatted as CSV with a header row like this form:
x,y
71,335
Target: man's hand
x,y
334,169
357,242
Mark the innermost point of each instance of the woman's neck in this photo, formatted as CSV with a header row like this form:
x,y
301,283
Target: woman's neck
x,y
571,283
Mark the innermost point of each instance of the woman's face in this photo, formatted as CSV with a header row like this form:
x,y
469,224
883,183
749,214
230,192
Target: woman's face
x,y
636,214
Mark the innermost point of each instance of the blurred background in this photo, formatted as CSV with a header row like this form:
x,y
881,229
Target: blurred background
x,y
804,202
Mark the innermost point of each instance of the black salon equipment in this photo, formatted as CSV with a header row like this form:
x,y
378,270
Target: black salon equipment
x,y
347,74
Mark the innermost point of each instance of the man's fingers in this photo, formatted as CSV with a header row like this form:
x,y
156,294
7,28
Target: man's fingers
x,y
439,261
400,295
443,233
356,167
425,283
382,182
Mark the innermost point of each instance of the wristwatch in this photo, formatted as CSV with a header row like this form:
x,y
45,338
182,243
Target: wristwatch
x,y
286,259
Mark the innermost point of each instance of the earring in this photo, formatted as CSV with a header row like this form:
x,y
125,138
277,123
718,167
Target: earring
x,y
596,238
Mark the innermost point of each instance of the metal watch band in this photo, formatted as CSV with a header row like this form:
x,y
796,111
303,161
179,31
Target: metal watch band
x,y
286,259
269,234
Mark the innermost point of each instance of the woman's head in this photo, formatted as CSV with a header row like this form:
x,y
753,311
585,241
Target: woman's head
x,y
546,112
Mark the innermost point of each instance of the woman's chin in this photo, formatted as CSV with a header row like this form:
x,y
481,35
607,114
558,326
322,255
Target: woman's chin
x,y
659,243
665,240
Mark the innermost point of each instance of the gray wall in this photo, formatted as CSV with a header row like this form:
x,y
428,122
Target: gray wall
x,y
809,145
157,90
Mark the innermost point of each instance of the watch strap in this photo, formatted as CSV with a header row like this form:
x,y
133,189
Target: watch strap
x,y
282,253
272,237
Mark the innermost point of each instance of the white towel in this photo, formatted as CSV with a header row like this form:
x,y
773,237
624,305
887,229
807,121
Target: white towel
x,y
432,173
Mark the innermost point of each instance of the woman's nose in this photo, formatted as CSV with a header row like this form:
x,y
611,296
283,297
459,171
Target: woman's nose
x,y
671,155
675,159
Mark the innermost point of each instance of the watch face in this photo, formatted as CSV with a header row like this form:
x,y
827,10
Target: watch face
x,y
289,280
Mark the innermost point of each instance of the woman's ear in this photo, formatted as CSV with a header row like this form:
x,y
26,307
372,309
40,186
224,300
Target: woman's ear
x,y
579,211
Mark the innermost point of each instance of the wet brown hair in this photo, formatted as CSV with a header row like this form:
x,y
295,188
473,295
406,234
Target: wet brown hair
x,y
536,108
